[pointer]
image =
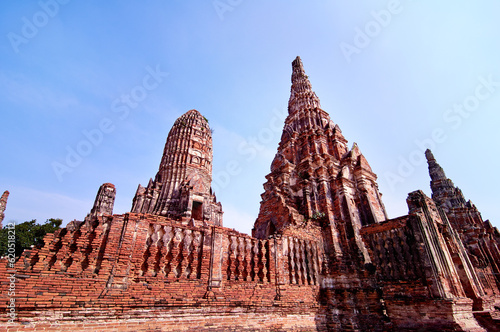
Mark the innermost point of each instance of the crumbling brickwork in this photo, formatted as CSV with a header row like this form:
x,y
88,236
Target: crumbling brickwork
x,y
417,259
480,239
128,266
104,201
323,255
3,206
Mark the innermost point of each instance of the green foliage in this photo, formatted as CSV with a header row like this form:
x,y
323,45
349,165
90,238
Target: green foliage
x,y
28,233
304,175
318,215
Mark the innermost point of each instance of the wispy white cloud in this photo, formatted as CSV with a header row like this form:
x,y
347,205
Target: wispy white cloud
x,y
28,203
18,89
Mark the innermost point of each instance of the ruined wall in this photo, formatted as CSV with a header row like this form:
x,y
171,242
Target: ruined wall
x,y
117,268
417,258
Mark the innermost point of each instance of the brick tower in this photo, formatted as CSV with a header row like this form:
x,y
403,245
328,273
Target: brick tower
x,y
104,201
319,190
480,238
3,205
316,182
182,186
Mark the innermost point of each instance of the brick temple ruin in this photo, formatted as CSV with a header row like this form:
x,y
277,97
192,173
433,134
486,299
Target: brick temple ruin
x,y
323,255
3,205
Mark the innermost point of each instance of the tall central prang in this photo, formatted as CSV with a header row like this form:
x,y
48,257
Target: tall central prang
x,y
317,186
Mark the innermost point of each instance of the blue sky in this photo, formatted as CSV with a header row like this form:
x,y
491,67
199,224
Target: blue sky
x,y
106,80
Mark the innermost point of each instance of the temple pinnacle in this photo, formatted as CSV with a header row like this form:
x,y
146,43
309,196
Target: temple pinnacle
x,y
297,69
301,94
429,155
436,172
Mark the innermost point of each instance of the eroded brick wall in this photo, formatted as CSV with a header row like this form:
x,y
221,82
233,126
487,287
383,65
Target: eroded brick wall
x,y
117,268
417,260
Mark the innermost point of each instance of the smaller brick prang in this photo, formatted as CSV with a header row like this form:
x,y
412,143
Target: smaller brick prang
x,y
3,205
104,202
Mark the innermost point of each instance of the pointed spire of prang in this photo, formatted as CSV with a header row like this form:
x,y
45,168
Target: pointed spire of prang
x,y
301,94
435,171
444,192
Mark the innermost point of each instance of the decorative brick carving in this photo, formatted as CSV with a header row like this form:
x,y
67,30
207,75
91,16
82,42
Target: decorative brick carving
x,y
182,186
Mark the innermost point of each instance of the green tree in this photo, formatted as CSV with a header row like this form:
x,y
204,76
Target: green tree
x,y
28,233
